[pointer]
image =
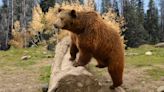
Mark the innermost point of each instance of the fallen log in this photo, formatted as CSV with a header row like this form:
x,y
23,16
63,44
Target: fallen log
x,y
67,78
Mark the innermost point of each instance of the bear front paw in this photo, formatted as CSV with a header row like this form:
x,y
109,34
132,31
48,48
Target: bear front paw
x,y
71,59
75,64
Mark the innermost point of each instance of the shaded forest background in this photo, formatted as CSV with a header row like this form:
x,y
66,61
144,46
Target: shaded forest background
x,y
32,20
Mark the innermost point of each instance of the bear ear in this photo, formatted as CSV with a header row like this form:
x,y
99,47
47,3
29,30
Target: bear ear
x,y
73,14
60,9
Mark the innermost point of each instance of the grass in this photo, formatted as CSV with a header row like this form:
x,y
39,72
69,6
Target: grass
x,y
13,56
11,61
141,60
156,73
45,74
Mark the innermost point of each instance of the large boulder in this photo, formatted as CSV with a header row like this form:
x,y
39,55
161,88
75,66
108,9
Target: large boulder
x,y
161,45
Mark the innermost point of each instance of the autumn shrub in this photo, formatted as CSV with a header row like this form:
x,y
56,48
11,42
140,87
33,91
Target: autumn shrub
x,y
20,38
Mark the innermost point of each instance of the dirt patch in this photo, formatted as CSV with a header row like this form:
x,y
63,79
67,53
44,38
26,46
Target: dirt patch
x,y
136,79
18,79
22,79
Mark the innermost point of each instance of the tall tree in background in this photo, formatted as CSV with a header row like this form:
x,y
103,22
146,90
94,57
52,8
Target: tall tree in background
x,y
135,33
106,5
140,21
140,10
116,7
123,4
151,23
45,4
9,21
162,20
4,26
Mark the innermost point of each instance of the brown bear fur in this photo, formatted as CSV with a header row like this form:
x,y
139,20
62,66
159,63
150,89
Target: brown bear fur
x,y
92,37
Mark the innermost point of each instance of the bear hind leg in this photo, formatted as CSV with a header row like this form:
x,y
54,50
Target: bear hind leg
x,y
116,75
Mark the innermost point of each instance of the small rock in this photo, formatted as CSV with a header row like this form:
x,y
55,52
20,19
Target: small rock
x,y
44,53
25,57
160,89
148,53
79,84
100,84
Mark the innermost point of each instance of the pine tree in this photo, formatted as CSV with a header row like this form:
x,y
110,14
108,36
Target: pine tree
x,y
4,26
151,23
162,20
115,7
140,10
141,15
106,5
135,34
45,4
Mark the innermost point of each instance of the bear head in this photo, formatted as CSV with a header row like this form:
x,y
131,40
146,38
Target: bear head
x,y
66,19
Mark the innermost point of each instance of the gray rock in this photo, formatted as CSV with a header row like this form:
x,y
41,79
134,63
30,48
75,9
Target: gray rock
x,y
160,89
161,45
25,57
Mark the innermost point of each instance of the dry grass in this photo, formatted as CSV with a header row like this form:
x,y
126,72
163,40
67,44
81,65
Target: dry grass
x,y
113,20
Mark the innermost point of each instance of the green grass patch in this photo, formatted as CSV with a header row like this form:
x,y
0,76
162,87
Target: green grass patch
x,y
45,74
142,60
13,56
156,73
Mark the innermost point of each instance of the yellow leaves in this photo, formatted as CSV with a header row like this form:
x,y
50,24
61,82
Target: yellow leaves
x,y
17,40
37,23
113,20
17,25
50,18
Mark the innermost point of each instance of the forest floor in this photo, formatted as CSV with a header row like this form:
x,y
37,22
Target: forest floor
x,y
17,75
142,73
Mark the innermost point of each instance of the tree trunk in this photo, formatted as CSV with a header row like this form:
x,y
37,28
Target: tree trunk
x,y
65,77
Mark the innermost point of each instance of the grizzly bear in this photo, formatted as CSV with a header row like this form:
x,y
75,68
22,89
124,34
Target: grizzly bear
x,y
92,37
